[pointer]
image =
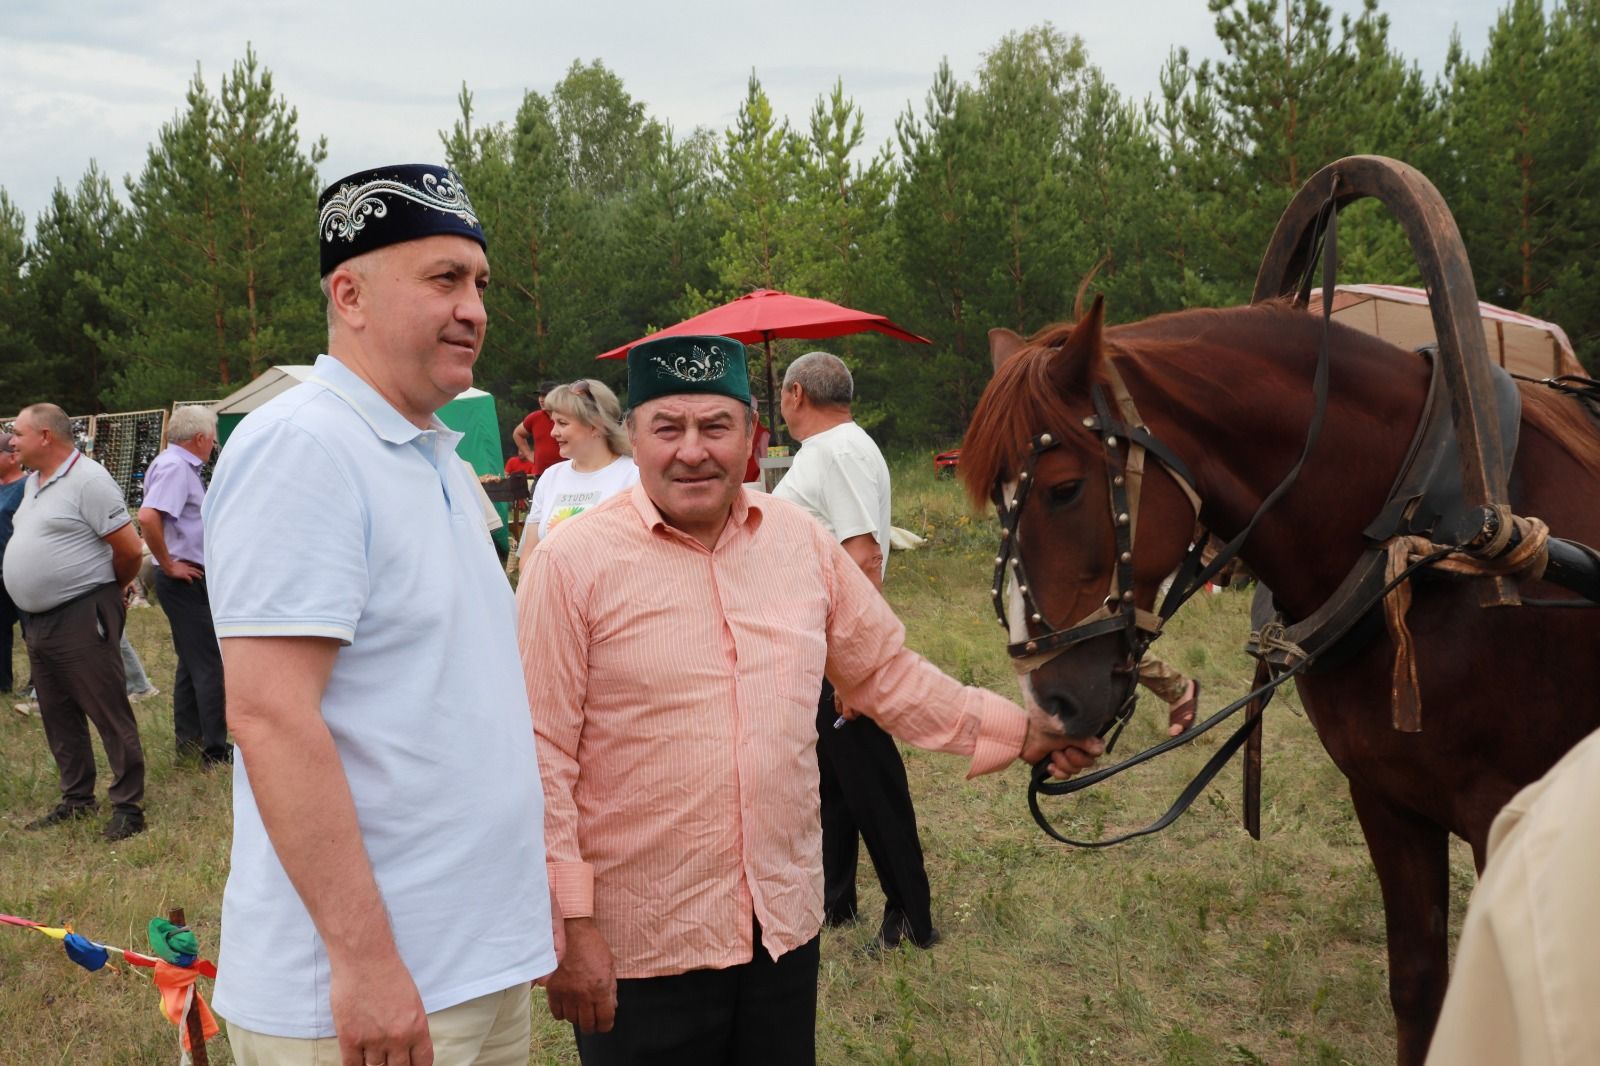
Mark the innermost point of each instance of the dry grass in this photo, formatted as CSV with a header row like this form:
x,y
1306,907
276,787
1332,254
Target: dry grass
x,y
1197,947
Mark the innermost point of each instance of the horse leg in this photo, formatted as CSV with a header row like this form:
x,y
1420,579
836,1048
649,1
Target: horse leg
x,y
1412,859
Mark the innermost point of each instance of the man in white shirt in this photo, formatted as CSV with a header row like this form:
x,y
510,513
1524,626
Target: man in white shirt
x,y
839,476
387,900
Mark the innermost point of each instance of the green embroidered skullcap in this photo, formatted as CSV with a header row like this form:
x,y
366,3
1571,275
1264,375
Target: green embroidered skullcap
x,y
666,366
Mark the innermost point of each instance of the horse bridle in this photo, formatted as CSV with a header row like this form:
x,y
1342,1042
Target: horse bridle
x,y
1119,613
1126,442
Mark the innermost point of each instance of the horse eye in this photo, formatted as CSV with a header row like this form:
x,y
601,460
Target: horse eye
x,y
1065,494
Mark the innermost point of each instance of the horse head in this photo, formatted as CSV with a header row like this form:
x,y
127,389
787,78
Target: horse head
x,y
1089,531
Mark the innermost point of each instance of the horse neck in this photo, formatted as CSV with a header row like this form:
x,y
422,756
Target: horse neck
x,y
1236,410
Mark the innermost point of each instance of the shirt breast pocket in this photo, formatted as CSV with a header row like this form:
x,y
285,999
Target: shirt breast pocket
x,y
786,638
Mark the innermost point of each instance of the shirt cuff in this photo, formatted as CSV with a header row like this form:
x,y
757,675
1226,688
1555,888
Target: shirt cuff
x,y
1002,727
573,883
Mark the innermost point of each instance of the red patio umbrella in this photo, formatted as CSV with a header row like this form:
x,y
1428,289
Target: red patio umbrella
x,y
766,315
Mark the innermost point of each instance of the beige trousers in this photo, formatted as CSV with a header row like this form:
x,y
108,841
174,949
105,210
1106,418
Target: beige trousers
x,y
1168,684
492,1030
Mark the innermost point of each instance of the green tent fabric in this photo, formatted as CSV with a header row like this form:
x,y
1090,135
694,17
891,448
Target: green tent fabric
x,y
472,414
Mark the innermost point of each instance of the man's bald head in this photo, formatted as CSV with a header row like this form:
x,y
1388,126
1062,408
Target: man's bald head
x,y
50,418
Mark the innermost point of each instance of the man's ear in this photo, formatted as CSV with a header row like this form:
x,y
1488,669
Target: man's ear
x,y
346,296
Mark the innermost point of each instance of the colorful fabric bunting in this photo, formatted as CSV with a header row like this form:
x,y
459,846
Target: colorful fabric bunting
x,y
85,952
175,973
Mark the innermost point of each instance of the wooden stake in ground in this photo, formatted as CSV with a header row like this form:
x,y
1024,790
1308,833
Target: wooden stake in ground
x,y
191,1017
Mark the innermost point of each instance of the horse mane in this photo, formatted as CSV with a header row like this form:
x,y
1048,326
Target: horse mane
x,y
1023,397
1563,420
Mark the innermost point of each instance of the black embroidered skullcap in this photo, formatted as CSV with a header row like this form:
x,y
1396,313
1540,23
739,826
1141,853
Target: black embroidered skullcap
x,y
387,205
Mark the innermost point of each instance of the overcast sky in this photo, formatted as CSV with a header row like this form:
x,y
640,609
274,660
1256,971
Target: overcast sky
x,y
96,79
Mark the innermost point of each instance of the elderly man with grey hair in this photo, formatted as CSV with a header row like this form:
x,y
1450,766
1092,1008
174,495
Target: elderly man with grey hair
x,y
839,476
170,518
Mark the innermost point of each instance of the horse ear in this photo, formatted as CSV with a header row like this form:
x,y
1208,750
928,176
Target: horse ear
x,y
1078,354
1003,344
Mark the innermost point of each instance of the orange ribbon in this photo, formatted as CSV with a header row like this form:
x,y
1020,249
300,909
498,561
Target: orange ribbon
x,y
175,984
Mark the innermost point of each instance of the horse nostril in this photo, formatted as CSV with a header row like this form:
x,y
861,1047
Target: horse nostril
x,y
1062,709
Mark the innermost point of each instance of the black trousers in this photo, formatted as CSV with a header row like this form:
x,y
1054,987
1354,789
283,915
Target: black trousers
x,y
8,621
76,656
758,1012
199,716
864,791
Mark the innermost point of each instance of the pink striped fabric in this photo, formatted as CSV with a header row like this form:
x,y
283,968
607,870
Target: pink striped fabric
x,y
674,697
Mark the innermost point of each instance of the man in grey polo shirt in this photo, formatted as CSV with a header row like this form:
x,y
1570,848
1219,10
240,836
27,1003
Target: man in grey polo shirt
x,y
72,550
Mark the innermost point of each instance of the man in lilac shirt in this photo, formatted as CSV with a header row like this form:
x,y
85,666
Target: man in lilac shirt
x,y
170,520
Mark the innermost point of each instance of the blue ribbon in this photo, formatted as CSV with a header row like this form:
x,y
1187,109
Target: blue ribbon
x,y
85,952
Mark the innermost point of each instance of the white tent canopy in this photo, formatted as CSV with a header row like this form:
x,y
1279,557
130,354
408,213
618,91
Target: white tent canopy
x,y
1401,316
278,379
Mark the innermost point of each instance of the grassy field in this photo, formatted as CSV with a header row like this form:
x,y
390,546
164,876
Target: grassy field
x,y
1197,947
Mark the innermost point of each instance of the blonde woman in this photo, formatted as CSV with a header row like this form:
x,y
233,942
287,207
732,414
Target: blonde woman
x,y
597,461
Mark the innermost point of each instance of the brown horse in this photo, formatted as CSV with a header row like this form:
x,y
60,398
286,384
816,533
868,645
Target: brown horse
x,y
1504,691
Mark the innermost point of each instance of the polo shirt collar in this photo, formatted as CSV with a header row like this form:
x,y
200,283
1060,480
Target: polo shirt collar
x,y
61,471
185,454
389,424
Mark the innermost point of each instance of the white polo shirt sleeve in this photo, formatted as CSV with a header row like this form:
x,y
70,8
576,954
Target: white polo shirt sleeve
x,y
286,538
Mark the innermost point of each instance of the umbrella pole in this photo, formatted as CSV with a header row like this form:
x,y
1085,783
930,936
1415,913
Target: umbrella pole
x,y
772,394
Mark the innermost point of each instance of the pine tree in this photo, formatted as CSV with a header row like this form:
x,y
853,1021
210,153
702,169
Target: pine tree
x,y
668,234
76,241
553,190
218,279
842,250
1523,176
759,167
23,374
1292,94
937,243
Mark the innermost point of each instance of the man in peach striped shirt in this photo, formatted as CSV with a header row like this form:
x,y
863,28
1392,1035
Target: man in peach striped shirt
x,y
673,644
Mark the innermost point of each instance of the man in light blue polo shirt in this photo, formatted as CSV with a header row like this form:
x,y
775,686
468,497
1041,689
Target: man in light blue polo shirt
x,y
387,901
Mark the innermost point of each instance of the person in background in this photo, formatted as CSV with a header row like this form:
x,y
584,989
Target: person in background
x,y
758,451
597,459
532,437
673,644
170,520
386,901
71,553
840,479
11,485
136,682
